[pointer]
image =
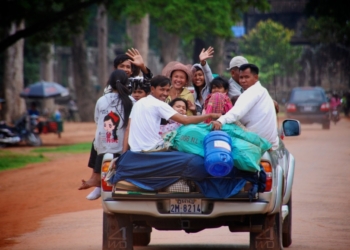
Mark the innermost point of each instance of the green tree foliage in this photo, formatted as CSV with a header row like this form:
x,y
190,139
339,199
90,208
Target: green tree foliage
x,y
53,19
186,18
328,22
268,46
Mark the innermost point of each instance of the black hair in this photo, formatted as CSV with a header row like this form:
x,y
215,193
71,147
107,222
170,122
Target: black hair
x,y
135,71
172,103
119,82
253,68
161,81
198,92
115,120
147,89
140,83
219,82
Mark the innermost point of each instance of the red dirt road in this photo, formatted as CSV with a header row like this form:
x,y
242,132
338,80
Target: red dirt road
x,y
320,202
39,190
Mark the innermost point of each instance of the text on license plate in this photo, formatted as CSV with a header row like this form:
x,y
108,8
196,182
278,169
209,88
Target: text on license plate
x,y
185,206
307,108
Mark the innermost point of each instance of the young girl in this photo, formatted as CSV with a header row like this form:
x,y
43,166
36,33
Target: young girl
x,y
217,101
112,112
201,78
131,63
181,106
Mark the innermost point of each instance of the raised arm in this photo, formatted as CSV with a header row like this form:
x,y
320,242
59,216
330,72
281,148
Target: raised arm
x,y
137,60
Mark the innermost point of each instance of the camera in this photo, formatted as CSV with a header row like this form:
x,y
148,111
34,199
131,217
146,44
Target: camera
x,y
139,82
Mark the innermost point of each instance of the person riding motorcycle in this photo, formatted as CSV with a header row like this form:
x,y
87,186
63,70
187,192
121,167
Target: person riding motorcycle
x,y
335,104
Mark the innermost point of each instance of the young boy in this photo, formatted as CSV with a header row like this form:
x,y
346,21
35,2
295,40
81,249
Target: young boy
x,y
142,133
140,87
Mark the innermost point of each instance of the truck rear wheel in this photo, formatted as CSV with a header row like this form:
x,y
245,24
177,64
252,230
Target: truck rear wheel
x,y
270,237
141,239
287,226
117,232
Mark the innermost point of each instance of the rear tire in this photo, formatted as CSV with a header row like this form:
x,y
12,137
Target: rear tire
x,y
141,239
287,226
271,236
117,232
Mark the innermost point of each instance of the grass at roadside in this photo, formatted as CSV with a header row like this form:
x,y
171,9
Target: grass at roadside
x,y
75,148
9,160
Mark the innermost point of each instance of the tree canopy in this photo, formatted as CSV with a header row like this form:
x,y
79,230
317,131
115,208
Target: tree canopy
x,y
268,46
188,19
329,22
48,17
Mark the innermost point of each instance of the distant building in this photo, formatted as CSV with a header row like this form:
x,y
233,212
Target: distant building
x,y
290,13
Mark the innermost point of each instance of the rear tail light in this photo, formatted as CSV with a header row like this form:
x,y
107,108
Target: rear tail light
x,y
325,106
291,107
268,170
104,172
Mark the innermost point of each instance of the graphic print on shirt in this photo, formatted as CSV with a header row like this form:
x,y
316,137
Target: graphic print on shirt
x,y
110,125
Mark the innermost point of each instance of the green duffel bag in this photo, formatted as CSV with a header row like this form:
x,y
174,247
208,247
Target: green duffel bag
x,y
247,147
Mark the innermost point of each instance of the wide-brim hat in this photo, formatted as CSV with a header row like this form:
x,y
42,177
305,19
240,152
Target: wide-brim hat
x,y
174,66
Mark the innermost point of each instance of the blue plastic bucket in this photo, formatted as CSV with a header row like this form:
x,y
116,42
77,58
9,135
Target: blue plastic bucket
x,y
218,160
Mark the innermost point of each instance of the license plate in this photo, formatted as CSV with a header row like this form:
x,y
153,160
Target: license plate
x,y
307,108
185,206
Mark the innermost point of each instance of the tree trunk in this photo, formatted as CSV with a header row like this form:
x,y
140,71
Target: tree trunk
x,y
169,46
139,35
102,36
217,62
13,77
81,78
46,73
199,44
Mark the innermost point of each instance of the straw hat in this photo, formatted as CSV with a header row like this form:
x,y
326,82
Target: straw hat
x,y
174,66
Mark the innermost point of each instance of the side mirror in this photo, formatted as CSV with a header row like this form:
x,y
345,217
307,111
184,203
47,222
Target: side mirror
x,y
291,127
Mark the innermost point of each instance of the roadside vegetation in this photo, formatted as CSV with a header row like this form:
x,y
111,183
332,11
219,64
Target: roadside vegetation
x,y
75,148
11,160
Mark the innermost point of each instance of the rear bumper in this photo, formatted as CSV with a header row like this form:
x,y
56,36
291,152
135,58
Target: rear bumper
x,y
309,118
218,208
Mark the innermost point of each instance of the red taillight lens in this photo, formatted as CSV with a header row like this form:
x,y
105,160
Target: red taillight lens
x,y
325,106
268,170
291,107
104,171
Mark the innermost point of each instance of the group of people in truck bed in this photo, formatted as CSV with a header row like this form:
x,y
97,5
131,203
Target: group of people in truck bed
x,y
135,113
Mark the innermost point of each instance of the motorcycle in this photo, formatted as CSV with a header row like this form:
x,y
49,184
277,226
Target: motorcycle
x,y
25,130
334,115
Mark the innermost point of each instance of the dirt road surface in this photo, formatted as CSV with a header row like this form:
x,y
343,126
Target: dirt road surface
x,y
41,207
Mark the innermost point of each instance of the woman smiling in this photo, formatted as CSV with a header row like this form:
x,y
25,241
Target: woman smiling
x,y
180,76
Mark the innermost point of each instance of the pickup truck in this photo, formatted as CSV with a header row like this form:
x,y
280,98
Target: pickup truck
x,y
129,214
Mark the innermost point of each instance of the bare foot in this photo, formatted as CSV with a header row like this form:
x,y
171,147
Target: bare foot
x,y
89,183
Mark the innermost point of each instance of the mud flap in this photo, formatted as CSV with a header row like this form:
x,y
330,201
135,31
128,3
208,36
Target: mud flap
x,y
270,238
117,232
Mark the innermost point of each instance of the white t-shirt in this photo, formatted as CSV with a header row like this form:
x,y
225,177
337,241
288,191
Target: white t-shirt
x,y
145,118
255,109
